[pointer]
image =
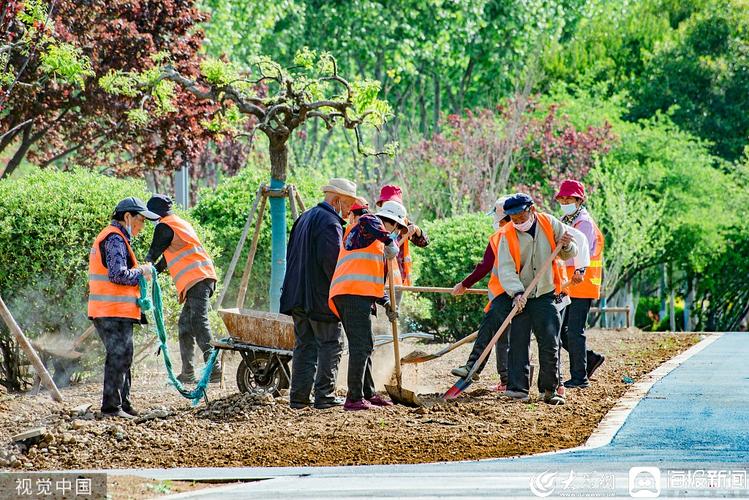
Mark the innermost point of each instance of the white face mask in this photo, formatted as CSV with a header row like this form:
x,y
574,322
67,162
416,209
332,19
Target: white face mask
x,y
496,225
568,209
525,225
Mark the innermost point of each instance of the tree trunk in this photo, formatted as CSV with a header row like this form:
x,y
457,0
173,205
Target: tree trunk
x,y
662,293
422,108
278,161
20,154
672,308
437,103
689,303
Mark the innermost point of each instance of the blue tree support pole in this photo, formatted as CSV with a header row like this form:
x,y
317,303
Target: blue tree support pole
x,y
278,162
278,244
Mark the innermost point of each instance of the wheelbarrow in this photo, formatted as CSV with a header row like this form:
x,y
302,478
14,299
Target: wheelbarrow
x,y
265,341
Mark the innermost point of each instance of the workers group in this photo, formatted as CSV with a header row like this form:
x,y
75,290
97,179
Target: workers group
x,y
114,276
338,263
336,276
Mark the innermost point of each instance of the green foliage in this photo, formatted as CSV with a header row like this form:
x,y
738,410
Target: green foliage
x,y
48,221
34,12
224,212
702,77
67,62
646,307
218,72
119,83
129,83
457,244
645,193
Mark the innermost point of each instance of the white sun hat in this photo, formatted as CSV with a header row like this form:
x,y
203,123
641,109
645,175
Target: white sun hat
x,y
394,211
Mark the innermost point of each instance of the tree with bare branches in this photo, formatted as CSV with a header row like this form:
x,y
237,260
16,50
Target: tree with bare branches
x,y
276,101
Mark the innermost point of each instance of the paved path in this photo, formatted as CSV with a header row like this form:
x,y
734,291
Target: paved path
x,y
696,417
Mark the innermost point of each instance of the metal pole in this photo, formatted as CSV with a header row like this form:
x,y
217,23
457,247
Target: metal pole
x,y
182,186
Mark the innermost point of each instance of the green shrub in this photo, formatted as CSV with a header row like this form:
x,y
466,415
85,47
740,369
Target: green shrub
x,y
224,211
645,305
457,245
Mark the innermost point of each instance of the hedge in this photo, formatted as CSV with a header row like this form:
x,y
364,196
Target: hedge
x,y
457,244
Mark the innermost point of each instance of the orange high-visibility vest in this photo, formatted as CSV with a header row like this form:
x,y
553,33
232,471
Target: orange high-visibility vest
x,y
590,287
407,263
358,272
186,258
398,278
495,287
544,221
107,299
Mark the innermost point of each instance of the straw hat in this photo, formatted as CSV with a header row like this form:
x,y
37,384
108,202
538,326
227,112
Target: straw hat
x,y
343,187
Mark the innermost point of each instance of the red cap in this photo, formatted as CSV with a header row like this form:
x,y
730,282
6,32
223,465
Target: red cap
x,y
390,193
357,206
571,188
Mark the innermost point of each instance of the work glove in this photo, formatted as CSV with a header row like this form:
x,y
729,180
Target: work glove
x,y
391,313
391,250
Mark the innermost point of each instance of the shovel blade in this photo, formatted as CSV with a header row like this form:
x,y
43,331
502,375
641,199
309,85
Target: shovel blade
x,y
402,396
460,386
417,357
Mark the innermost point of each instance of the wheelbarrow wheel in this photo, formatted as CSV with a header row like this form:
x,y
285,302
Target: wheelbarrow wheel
x,y
252,375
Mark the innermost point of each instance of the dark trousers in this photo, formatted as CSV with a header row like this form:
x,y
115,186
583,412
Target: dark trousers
x,y
117,336
317,352
356,316
194,326
542,317
575,317
493,319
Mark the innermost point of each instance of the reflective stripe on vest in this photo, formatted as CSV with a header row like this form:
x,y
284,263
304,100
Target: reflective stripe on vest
x,y
188,261
510,233
407,263
495,287
107,299
358,272
590,288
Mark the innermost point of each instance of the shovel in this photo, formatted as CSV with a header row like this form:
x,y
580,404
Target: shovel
x,y
396,392
463,383
421,357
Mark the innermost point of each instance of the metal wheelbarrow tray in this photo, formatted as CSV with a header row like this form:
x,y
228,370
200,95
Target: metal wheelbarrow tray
x,y
265,341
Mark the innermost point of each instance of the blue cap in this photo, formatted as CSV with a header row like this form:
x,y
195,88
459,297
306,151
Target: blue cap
x,y
517,203
133,204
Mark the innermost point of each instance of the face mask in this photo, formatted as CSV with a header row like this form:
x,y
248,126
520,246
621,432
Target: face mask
x,y
339,211
525,225
394,235
568,209
129,229
496,225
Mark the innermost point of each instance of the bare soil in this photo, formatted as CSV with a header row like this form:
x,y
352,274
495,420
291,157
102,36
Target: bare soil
x,y
245,430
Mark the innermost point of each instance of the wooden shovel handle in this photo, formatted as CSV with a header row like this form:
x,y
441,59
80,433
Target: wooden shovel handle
x,y
436,289
547,263
394,323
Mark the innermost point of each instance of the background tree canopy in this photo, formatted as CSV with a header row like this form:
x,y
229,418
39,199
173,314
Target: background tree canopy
x,y
646,101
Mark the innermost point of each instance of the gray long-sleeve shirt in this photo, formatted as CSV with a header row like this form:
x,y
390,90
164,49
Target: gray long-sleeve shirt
x,y
534,250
